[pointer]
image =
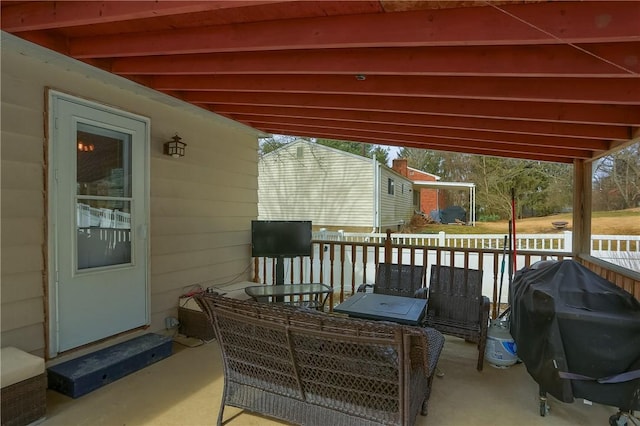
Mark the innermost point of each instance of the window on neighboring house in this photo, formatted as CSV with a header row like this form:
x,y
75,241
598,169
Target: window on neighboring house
x,y
300,152
402,188
390,186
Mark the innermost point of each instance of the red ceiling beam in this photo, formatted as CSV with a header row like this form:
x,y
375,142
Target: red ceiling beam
x,y
562,22
523,61
430,132
41,15
558,151
538,111
521,156
434,144
573,90
569,130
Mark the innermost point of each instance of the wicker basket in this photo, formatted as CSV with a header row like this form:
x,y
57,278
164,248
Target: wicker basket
x,y
194,322
24,402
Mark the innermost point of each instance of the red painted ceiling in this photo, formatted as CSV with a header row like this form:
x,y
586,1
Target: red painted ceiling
x,y
543,80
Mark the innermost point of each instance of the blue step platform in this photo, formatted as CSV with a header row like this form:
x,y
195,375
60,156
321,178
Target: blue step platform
x,y
89,372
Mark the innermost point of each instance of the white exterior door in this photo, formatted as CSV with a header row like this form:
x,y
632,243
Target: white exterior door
x,y
98,222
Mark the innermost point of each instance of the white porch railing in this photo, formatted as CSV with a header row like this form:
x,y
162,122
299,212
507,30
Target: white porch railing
x,y
537,242
346,260
88,217
345,265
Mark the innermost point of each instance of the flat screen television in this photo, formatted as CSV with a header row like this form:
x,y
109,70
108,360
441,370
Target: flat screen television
x,y
280,238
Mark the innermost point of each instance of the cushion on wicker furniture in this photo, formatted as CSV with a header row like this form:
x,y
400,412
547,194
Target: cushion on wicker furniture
x,y
314,368
24,387
18,365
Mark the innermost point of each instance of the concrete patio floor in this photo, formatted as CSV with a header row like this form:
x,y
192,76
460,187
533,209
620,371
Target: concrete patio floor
x,y
185,389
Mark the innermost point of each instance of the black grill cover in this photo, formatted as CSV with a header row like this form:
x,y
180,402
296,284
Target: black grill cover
x,y
566,318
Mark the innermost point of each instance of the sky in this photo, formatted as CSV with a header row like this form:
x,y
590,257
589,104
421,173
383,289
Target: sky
x,y
393,151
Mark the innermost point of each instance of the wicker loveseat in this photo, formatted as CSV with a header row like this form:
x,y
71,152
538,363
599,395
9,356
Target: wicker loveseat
x,y
314,368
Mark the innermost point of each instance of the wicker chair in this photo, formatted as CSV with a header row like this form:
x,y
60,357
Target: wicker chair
x,y
457,307
398,280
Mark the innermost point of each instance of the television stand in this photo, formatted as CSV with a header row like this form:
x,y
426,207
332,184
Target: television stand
x,y
279,276
279,270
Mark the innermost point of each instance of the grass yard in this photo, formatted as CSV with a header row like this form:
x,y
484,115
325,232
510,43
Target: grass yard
x,y
621,222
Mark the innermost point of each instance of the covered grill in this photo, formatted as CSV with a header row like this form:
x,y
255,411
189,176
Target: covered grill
x,y
578,335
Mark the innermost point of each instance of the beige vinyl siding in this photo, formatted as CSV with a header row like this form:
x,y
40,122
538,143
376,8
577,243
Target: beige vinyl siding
x,y
201,209
395,209
201,205
21,214
329,187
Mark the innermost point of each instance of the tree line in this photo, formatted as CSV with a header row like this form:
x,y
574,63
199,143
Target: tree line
x,y
540,188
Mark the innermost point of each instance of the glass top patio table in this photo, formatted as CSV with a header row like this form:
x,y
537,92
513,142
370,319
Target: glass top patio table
x,y
316,293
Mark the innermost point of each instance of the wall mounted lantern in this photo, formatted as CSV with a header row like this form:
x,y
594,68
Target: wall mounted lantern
x,y
175,147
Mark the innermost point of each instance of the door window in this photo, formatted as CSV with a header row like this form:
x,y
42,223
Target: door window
x,y
103,197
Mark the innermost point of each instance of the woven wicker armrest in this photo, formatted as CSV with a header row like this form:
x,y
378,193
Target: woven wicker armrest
x,y
427,347
310,367
485,306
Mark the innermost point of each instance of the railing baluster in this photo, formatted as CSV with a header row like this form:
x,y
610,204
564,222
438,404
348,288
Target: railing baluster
x,y
342,266
331,265
256,270
311,263
321,258
365,253
353,268
387,248
291,270
302,277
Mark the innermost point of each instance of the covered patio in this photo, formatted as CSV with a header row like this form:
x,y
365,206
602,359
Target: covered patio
x,y
530,79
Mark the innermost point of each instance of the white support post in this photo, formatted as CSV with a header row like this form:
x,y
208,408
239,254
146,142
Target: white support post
x,y
441,239
568,240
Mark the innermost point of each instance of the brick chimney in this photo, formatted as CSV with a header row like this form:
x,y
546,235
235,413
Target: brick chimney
x,y
400,166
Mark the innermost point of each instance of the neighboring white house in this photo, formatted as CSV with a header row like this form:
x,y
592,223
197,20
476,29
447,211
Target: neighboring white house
x,y
332,188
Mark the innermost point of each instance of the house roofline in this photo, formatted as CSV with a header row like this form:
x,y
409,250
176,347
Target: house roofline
x,y
426,173
449,185
39,53
337,151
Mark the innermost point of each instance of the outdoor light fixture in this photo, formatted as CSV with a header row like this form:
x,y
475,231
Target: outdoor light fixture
x,y
175,147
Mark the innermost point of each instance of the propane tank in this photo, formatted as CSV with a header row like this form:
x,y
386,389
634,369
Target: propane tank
x,y
501,348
